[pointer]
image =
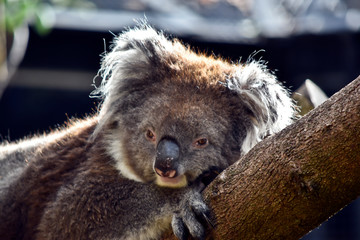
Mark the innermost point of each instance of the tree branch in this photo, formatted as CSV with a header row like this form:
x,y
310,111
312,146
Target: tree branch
x,y
291,182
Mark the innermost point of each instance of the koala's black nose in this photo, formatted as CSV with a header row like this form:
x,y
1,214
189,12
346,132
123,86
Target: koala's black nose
x,y
167,158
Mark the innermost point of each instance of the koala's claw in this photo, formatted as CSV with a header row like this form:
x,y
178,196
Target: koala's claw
x,y
189,218
208,220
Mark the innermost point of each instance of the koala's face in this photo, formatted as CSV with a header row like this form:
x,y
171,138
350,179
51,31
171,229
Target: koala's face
x,y
170,114
171,134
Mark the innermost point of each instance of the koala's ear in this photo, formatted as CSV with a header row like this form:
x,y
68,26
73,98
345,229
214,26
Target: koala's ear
x,y
134,55
269,102
136,58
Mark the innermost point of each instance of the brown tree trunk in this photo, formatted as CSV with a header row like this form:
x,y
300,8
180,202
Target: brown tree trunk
x,y
291,182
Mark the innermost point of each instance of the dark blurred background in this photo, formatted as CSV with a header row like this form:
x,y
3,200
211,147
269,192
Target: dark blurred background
x,y
54,48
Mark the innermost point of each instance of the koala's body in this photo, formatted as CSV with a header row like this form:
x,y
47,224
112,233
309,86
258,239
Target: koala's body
x,y
135,169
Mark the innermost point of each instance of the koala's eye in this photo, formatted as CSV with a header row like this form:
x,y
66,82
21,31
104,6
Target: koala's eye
x,y
150,135
201,143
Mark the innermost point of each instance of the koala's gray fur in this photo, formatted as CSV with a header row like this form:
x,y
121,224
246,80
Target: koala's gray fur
x,y
169,116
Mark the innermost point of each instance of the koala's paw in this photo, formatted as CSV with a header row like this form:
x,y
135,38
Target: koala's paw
x,y
189,218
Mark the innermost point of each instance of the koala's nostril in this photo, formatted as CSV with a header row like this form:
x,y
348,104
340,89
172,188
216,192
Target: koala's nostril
x,y
169,173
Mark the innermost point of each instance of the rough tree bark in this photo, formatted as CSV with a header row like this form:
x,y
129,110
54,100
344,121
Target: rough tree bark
x,y
293,181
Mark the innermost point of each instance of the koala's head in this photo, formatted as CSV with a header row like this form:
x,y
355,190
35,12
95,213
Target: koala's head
x,y
170,114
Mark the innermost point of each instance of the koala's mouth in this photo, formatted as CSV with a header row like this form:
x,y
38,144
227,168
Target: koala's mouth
x,y
172,182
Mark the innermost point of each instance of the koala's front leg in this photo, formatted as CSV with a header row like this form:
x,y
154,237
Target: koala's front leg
x,y
190,215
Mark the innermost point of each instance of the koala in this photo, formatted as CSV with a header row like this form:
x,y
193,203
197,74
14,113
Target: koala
x,y
169,118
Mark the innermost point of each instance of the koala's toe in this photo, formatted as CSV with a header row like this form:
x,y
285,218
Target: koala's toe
x,y
179,228
201,210
193,225
198,205
191,217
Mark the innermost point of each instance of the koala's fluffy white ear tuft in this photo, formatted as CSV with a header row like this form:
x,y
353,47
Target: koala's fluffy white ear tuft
x,y
269,102
135,54
132,55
